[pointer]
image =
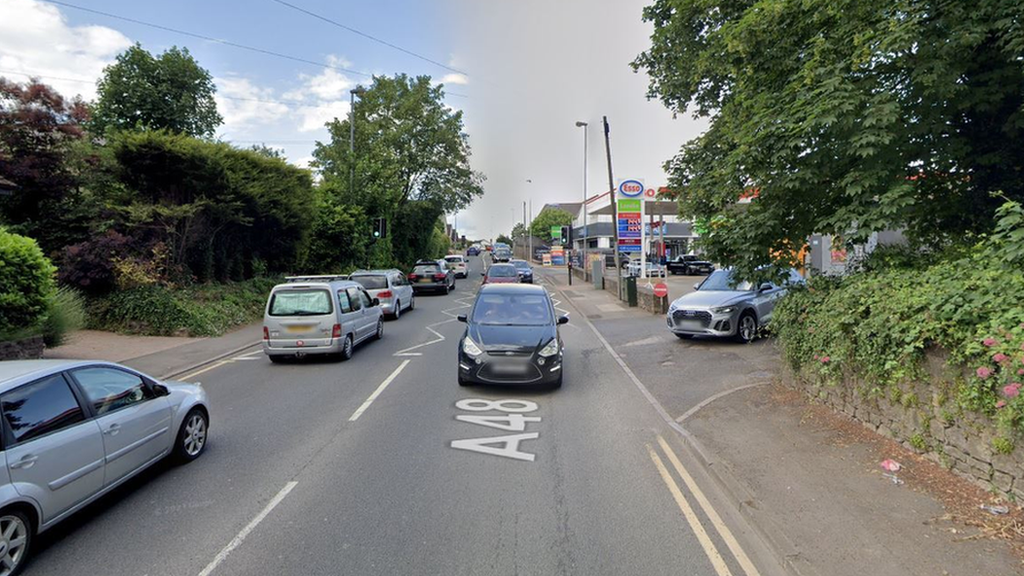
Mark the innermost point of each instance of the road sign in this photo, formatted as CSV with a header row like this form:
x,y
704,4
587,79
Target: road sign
x,y
660,290
630,188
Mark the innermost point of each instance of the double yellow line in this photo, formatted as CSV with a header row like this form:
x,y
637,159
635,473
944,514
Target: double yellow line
x,y
691,517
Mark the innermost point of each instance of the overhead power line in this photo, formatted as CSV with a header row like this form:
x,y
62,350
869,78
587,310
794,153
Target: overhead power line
x,y
209,38
368,36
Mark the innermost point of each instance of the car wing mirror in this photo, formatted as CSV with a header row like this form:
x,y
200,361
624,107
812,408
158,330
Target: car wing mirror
x,y
461,318
696,286
483,273
564,319
764,287
161,390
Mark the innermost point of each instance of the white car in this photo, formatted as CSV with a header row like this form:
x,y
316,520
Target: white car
x,y
457,264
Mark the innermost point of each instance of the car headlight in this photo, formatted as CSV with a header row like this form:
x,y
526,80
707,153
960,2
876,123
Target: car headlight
x,y
470,347
724,310
551,349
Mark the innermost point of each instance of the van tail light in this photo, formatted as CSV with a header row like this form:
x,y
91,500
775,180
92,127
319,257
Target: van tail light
x,y
266,333
336,332
440,276
413,276
384,294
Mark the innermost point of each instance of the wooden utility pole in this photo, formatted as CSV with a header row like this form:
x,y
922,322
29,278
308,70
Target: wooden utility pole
x,y
611,191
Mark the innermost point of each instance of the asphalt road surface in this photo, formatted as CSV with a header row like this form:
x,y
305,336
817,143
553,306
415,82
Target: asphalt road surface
x,y
382,465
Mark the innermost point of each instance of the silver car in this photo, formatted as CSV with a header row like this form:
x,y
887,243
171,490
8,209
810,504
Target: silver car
x,y
316,315
74,430
390,287
720,306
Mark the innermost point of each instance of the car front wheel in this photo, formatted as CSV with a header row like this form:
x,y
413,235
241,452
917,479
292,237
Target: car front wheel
x,y
192,436
746,330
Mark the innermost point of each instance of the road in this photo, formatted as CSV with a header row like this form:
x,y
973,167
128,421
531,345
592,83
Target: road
x,y
326,467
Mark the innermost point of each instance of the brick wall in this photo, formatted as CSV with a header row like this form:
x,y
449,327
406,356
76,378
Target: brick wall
x,y
923,417
27,349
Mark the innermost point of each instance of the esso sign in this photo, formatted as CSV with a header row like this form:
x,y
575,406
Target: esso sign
x,y
631,188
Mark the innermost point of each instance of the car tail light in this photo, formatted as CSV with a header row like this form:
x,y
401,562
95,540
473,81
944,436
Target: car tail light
x,y
440,276
266,333
384,294
413,276
336,332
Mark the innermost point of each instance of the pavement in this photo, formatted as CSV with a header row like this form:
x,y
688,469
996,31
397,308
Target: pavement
x,y
657,456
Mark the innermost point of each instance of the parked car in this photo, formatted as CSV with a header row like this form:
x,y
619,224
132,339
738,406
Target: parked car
x,y
722,306
390,287
511,337
314,315
76,430
473,251
632,268
502,254
524,269
501,274
689,265
433,276
457,264
624,259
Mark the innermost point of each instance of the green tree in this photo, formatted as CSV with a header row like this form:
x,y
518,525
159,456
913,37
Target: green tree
x,y
409,147
845,117
504,239
519,231
548,217
170,92
26,283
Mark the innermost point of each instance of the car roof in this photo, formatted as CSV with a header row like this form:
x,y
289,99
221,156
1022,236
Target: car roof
x,y
334,284
513,288
14,372
377,272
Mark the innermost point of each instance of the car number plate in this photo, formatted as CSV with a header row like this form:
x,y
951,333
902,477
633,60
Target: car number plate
x,y
425,280
694,325
518,368
299,328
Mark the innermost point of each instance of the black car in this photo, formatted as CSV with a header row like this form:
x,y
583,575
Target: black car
x,y
511,338
432,275
524,269
689,265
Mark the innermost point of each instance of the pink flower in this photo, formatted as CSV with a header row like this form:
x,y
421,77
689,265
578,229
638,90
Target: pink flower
x,y
983,372
825,359
1011,390
815,356
1000,403
990,341
1000,357
1020,372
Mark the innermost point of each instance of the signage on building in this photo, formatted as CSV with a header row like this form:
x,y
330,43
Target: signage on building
x,y
557,256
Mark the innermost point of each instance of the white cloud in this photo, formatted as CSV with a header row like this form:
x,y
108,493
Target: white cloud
x,y
455,79
35,38
314,117
242,114
326,96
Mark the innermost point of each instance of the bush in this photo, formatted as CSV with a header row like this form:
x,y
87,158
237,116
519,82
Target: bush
x,y
874,327
26,283
91,266
65,313
203,310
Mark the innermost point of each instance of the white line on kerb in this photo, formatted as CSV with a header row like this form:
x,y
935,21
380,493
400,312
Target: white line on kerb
x,y
237,540
355,415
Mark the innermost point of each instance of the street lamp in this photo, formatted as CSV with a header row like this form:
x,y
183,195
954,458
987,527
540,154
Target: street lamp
x,y
584,206
357,91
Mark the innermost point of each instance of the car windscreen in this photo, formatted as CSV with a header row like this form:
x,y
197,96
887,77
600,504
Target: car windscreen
x,y
723,280
454,259
512,310
371,282
427,269
502,272
312,302
521,264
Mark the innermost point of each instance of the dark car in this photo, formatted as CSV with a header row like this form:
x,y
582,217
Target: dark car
x,y
502,254
472,251
524,269
689,265
433,276
511,337
501,274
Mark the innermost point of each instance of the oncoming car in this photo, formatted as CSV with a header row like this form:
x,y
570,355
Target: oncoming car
x,y
75,430
722,306
511,337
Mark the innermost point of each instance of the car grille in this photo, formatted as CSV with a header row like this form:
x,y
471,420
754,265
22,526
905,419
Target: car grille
x,y
487,373
684,315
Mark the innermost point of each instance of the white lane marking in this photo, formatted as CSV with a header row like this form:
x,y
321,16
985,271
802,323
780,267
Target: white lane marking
x,y
707,401
355,415
244,358
691,517
237,540
710,511
440,338
408,354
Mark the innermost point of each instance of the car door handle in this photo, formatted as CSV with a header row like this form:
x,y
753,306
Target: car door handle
x,y
113,429
26,461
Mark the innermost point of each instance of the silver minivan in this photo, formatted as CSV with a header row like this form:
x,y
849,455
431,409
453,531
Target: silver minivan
x,y
391,287
319,315
75,430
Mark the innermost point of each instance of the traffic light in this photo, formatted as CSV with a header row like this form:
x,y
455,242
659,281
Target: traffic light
x,y
380,228
566,235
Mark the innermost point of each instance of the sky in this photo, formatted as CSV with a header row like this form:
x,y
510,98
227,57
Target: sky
x,y
528,70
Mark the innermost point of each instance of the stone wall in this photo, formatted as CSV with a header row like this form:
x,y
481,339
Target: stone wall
x,y
27,349
648,301
924,418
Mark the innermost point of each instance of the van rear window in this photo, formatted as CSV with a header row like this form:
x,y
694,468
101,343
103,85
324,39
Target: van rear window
x,y
300,303
371,282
